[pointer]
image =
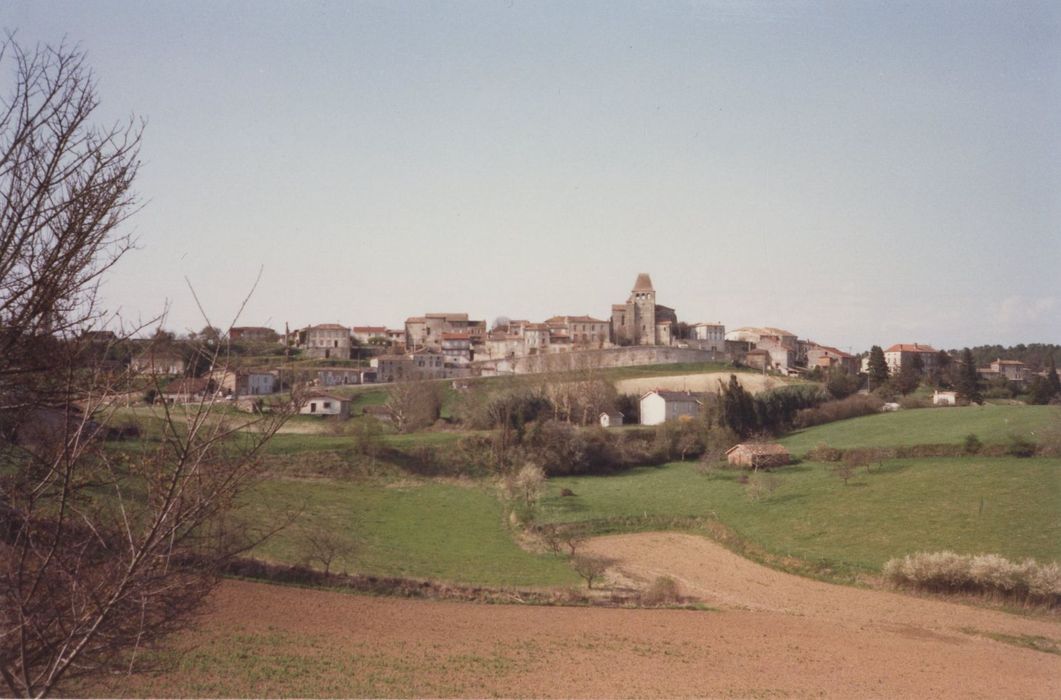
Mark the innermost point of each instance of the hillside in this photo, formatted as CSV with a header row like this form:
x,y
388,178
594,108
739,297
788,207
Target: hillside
x,y
990,422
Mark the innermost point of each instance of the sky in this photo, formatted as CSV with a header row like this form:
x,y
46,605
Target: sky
x,y
856,172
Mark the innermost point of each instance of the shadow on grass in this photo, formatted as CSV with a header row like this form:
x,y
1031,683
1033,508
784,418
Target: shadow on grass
x,y
893,468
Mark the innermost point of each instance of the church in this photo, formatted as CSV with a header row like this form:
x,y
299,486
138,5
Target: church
x,y
641,321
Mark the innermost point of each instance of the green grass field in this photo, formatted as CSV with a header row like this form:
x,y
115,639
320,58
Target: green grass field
x,y
906,506
416,529
991,423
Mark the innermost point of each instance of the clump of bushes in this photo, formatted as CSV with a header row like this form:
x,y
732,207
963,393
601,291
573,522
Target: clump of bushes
x,y
830,411
1020,446
1027,582
972,444
663,591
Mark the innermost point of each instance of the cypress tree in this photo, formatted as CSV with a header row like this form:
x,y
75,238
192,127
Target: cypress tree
x,y
968,384
878,367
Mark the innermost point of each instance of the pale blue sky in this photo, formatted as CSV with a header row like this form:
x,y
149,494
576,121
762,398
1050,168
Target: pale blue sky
x,y
855,172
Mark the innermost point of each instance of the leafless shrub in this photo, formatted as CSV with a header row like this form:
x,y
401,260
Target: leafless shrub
x,y
663,591
987,574
761,484
322,546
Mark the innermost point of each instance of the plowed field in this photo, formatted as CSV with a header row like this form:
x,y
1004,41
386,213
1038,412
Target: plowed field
x,y
773,635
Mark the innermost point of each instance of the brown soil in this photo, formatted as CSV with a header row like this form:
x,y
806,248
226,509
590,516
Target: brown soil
x,y
776,635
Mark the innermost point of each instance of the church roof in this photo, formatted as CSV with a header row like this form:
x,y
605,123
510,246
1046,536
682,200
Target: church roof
x,y
643,283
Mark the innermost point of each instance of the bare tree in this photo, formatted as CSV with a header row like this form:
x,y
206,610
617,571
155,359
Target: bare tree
x,y
102,551
590,567
414,404
324,546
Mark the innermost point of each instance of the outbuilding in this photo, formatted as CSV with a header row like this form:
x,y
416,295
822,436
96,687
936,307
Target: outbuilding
x,y
757,455
945,398
611,419
322,404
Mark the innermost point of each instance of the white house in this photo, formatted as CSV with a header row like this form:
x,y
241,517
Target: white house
x,y
610,419
658,406
322,404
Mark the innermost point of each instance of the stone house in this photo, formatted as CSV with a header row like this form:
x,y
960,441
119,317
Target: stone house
x,y
162,362
826,358
426,331
1013,370
752,455
363,334
421,364
456,349
758,359
708,336
582,331
324,404
658,406
245,382
342,376
902,354
324,341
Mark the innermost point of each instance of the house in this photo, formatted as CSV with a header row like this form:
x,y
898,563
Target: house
x,y
708,336
426,331
340,376
784,348
753,455
365,334
611,419
658,406
826,358
253,334
901,354
188,389
456,349
421,364
325,341
1012,370
158,362
944,398
758,359
582,331
245,382
324,404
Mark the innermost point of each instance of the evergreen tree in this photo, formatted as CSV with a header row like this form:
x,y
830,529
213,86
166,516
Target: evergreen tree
x,y
968,382
878,367
1052,380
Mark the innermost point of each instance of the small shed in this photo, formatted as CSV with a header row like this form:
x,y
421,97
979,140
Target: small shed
x,y
610,419
321,404
945,398
755,455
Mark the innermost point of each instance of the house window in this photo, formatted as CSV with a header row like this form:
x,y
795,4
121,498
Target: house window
x,y
327,404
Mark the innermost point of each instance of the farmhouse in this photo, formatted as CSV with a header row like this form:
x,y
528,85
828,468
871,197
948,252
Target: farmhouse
x,y
327,340
658,406
161,362
754,455
324,404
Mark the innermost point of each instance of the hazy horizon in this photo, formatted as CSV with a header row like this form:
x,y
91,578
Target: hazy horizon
x,y
857,173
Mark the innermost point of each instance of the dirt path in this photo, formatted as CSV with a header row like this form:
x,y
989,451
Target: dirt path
x,y
708,571
776,636
696,382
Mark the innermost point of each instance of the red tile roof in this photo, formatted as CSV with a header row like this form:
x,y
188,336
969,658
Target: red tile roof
x,y
910,347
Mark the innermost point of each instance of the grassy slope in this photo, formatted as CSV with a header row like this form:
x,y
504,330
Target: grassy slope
x,y
417,529
991,423
909,505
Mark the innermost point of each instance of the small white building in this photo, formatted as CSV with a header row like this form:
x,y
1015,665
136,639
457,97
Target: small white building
x,y
944,398
322,404
658,406
611,419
